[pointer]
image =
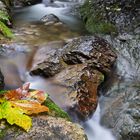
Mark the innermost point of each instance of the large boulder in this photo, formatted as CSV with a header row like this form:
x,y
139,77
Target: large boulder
x,y
79,67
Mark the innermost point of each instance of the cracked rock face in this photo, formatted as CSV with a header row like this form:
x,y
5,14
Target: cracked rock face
x,y
95,51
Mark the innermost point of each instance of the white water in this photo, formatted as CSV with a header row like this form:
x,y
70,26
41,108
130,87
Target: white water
x,y
94,130
36,12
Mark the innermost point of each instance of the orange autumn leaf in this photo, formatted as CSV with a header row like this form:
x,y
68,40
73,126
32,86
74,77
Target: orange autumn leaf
x,y
13,95
31,107
17,94
23,93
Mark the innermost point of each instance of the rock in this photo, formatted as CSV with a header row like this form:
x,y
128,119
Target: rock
x,y
120,101
46,128
96,51
92,56
80,83
78,50
122,113
47,62
1,81
50,19
109,16
87,91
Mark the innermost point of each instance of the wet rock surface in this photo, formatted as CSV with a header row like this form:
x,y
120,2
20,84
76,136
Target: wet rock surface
x,y
47,61
50,19
122,113
120,101
95,51
81,85
87,91
79,64
47,128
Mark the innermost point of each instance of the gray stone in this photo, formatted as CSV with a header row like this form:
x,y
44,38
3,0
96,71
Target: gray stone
x,y
47,62
50,19
47,128
121,101
93,50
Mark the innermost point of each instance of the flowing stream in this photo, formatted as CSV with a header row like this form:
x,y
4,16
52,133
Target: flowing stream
x,y
30,34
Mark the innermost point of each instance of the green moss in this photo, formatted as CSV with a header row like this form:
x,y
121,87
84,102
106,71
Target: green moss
x,y
95,26
4,16
55,110
2,92
95,20
4,20
5,30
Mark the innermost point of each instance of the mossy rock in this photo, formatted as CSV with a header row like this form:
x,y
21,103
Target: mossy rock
x,y
55,111
94,19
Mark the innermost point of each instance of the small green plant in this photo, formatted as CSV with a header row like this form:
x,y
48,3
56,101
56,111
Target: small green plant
x,y
5,30
55,110
4,18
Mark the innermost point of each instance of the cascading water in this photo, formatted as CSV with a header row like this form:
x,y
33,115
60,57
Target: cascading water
x,y
34,13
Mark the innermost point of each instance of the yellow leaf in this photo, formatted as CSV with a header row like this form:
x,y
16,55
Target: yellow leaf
x,y
15,115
